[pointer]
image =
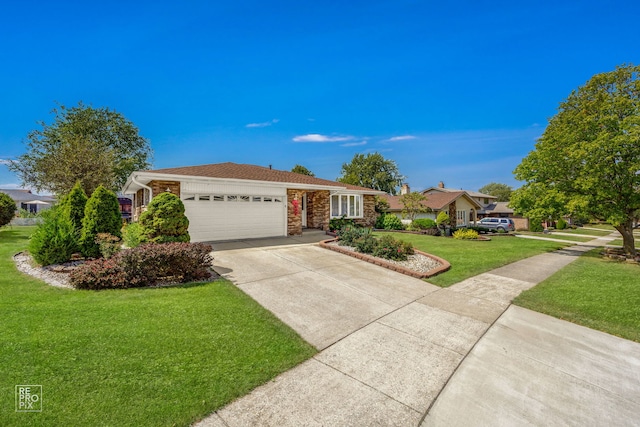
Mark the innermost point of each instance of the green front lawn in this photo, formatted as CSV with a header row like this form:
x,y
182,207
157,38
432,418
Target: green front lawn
x,y
137,357
594,292
469,258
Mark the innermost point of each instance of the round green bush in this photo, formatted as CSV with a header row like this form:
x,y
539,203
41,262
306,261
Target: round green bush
x,y
101,215
164,220
561,224
7,209
392,222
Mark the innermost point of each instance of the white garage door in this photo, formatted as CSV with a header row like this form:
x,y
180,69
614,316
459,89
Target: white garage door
x,y
228,217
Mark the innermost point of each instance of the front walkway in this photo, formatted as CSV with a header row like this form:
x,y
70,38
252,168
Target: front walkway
x,y
399,351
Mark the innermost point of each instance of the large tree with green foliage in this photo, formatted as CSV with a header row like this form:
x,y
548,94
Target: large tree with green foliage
x,y
588,158
372,171
501,191
302,170
92,145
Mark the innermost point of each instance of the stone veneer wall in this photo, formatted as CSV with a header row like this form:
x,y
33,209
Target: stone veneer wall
x,y
368,211
161,186
318,209
294,221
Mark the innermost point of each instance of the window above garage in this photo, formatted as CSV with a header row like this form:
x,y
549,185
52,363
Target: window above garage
x,y
347,205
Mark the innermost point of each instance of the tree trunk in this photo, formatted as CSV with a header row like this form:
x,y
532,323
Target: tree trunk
x,y
628,242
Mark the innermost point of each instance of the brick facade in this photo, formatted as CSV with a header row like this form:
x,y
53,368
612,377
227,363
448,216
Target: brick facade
x,y
318,206
162,186
368,211
318,211
294,218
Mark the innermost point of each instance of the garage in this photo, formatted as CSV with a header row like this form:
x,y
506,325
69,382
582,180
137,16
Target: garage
x,y
234,216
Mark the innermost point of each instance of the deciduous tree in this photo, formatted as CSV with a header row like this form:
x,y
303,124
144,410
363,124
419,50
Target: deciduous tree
x,y
588,157
92,145
413,204
302,170
501,191
372,171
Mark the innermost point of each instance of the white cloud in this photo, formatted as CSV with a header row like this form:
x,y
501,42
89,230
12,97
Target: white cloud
x,y
316,137
401,138
263,124
354,144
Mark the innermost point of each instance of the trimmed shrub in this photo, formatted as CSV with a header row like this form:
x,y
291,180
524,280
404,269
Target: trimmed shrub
x,y
101,215
337,224
465,234
350,233
561,224
74,204
7,209
54,240
366,244
146,265
423,224
132,236
164,220
392,222
390,248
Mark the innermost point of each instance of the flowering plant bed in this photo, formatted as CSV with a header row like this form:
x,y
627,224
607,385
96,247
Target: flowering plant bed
x,y
420,265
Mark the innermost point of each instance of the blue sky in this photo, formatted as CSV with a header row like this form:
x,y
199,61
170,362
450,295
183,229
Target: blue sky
x,y
451,91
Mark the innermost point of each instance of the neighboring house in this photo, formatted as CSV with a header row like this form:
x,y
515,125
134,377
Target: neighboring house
x,y
460,207
227,201
490,207
26,200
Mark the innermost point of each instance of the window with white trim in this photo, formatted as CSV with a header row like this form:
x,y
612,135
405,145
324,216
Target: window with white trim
x,y
348,205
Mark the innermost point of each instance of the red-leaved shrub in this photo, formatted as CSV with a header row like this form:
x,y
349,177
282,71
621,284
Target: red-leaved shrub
x,y
146,265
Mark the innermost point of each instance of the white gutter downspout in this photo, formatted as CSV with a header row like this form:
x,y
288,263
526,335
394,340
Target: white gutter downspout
x,y
133,179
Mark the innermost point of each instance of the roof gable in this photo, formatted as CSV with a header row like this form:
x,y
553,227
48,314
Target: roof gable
x,y
237,171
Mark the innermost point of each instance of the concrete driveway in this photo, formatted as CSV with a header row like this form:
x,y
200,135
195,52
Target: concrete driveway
x,y
321,294
397,351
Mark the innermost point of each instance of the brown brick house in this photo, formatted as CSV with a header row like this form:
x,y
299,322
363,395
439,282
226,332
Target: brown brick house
x,y
227,201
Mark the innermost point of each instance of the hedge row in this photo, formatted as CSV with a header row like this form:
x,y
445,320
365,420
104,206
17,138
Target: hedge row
x,y
146,265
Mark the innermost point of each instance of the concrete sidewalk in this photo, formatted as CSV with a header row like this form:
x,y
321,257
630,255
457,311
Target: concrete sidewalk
x,y
399,351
